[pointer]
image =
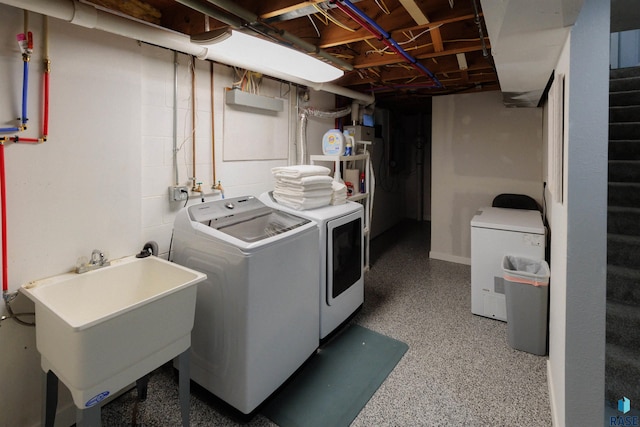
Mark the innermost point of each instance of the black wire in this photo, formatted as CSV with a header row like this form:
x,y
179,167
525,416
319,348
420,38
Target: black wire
x,y
186,201
170,245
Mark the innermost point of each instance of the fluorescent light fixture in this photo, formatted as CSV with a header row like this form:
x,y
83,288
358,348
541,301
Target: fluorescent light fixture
x,y
240,47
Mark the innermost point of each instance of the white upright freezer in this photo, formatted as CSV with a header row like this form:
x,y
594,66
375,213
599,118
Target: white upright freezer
x,y
496,232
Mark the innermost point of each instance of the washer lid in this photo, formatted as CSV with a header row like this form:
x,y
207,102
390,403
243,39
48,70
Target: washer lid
x,y
245,218
264,226
524,221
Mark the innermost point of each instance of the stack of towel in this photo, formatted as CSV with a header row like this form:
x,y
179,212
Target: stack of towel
x,y
303,186
339,195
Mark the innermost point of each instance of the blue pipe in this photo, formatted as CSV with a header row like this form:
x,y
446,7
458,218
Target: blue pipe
x,y
364,16
25,87
4,130
395,44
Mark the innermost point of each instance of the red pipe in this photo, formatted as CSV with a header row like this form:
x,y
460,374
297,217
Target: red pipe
x,y
3,201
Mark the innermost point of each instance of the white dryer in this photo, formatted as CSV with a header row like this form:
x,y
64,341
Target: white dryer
x,y
496,232
340,261
256,319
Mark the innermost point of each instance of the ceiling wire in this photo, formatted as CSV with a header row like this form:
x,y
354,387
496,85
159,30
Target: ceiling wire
x,y
411,39
343,56
314,25
328,18
383,7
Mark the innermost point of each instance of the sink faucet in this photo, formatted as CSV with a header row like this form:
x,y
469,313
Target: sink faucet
x,y
97,260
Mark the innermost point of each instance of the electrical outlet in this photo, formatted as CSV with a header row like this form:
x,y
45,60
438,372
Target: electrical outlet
x,y
178,193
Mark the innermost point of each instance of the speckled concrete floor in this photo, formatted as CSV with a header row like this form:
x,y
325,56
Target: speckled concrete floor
x,y
459,369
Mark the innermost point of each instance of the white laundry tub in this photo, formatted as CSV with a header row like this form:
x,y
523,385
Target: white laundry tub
x,y
102,330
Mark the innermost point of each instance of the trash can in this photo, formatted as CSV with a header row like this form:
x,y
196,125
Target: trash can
x,y
526,286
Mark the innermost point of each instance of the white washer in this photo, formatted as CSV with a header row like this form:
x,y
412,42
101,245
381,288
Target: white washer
x,y
341,259
256,319
496,232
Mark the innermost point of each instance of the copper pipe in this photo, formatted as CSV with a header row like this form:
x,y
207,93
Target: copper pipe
x,y
193,118
213,128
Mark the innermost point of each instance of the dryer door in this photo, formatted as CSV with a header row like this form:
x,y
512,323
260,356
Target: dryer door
x,y
345,254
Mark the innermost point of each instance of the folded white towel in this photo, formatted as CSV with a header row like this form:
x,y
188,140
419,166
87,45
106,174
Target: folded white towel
x,y
306,180
339,191
338,186
302,203
299,171
302,192
311,191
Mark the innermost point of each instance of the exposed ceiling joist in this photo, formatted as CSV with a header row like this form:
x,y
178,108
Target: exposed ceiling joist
x,y
414,10
431,32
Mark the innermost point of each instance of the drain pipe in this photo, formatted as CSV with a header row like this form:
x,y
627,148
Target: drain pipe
x,y
89,16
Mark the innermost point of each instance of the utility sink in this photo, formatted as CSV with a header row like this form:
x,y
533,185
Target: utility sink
x,y
102,330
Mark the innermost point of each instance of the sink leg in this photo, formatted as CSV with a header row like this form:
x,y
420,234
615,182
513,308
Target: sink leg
x,y
49,398
141,387
89,417
184,382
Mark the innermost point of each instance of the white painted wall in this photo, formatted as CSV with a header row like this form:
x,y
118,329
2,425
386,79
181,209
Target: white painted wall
x,y
101,180
480,149
557,218
578,227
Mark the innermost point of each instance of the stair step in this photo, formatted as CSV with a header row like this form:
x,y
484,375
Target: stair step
x,y
624,194
624,83
622,367
624,113
624,149
623,220
624,170
619,73
625,130
623,285
623,322
629,97
623,250
622,374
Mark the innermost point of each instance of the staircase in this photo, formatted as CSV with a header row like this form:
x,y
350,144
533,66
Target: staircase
x,y
622,372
